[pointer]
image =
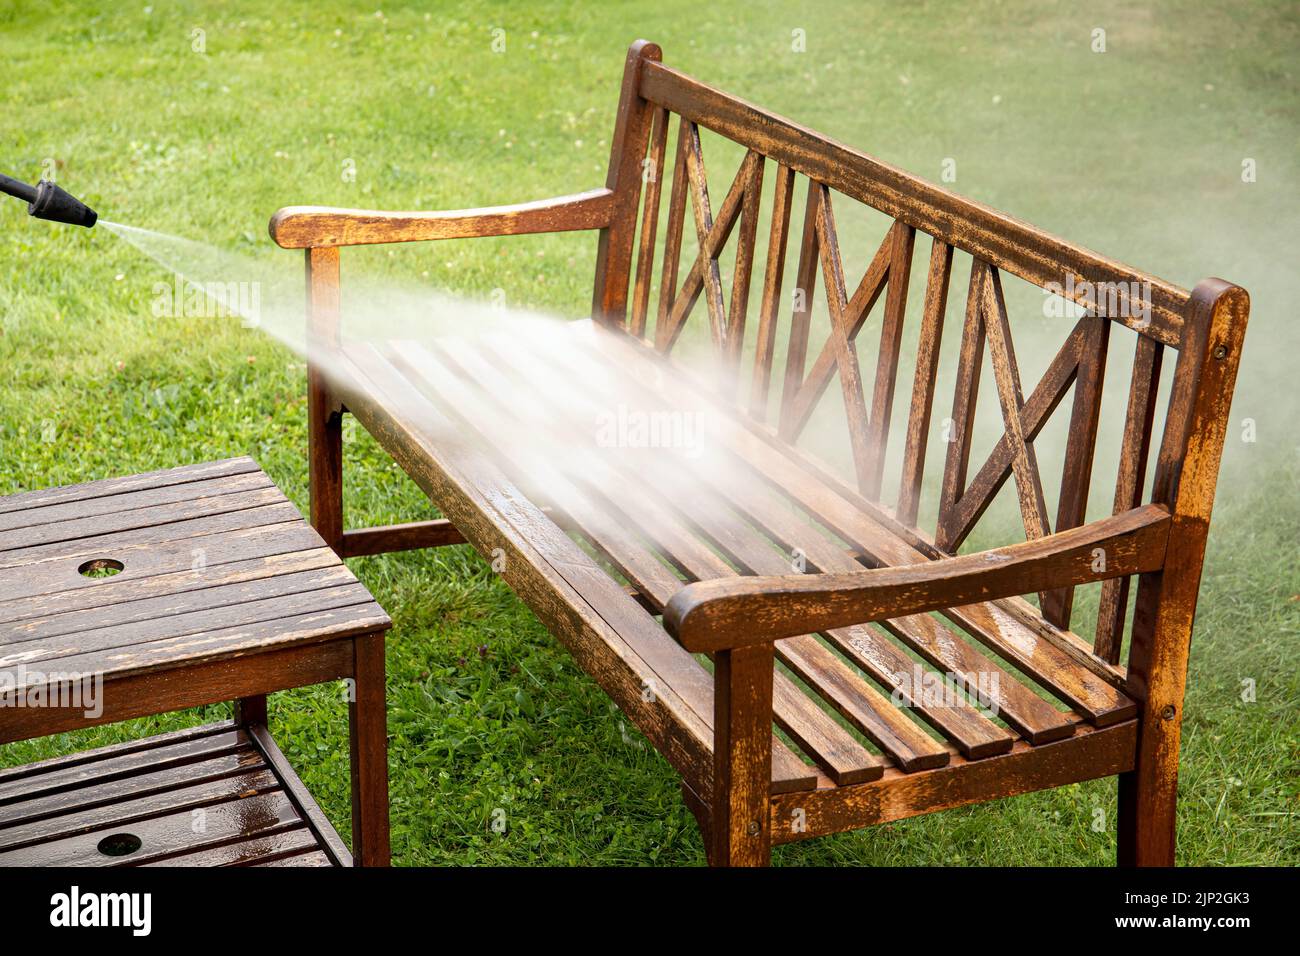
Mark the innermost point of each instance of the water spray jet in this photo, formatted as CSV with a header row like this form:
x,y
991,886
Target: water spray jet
x,y
46,200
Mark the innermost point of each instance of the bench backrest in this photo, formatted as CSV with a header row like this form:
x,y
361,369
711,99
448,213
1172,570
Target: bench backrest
x,y
662,109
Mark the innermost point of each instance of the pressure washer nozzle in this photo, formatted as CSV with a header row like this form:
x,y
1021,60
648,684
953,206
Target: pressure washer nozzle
x,y
45,200
57,205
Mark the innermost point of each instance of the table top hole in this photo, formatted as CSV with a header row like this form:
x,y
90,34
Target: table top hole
x,y
119,844
100,568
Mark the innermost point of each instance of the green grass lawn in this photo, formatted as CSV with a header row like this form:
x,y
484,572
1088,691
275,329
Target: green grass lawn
x,y
1137,152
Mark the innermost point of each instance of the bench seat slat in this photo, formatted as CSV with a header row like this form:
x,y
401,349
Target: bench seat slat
x,y
830,745
860,704
420,399
1007,636
610,635
863,706
1032,716
633,556
742,542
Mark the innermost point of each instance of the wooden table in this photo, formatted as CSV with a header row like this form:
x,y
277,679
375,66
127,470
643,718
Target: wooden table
x,y
152,593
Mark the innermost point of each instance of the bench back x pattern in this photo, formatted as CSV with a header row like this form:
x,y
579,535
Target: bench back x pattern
x,y
657,98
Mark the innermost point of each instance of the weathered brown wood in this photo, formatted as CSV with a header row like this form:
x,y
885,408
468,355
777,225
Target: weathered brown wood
x,y
20,544
606,529
843,759
1090,753
261,606
842,343
665,331
120,642
236,782
796,352
739,306
712,234
36,784
134,621
853,314
368,746
990,235
970,364
1024,462
324,416
713,614
927,369
326,838
322,227
1134,452
626,152
742,704
159,691
262,815
962,508
1044,655
1080,447
653,177
250,711
703,214
33,501
119,508
976,737
92,807
280,849
773,276
741,543
1186,475
902,240
558,589
863,706
399,537
256,540
299,859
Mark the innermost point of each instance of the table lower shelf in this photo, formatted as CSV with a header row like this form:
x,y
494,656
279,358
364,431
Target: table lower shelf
x,y
217,795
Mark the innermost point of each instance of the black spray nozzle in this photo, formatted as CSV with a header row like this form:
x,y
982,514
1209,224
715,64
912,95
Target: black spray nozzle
x,y
45,200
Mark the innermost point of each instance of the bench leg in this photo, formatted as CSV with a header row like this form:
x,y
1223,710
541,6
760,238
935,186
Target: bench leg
x,y
368,726
324,414
1146,824
324,462
740,817
1148,797
1148,794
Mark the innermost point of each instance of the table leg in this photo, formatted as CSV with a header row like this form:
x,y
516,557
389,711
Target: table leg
x,y
368,723
251,710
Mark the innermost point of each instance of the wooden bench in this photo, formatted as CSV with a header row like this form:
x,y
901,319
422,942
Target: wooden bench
x,y
641,586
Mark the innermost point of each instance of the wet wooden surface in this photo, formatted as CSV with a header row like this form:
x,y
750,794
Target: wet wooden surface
x,y
218,795
215,563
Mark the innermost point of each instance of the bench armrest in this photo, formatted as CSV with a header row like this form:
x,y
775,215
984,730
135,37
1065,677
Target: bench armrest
x,y
735,612
314,227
